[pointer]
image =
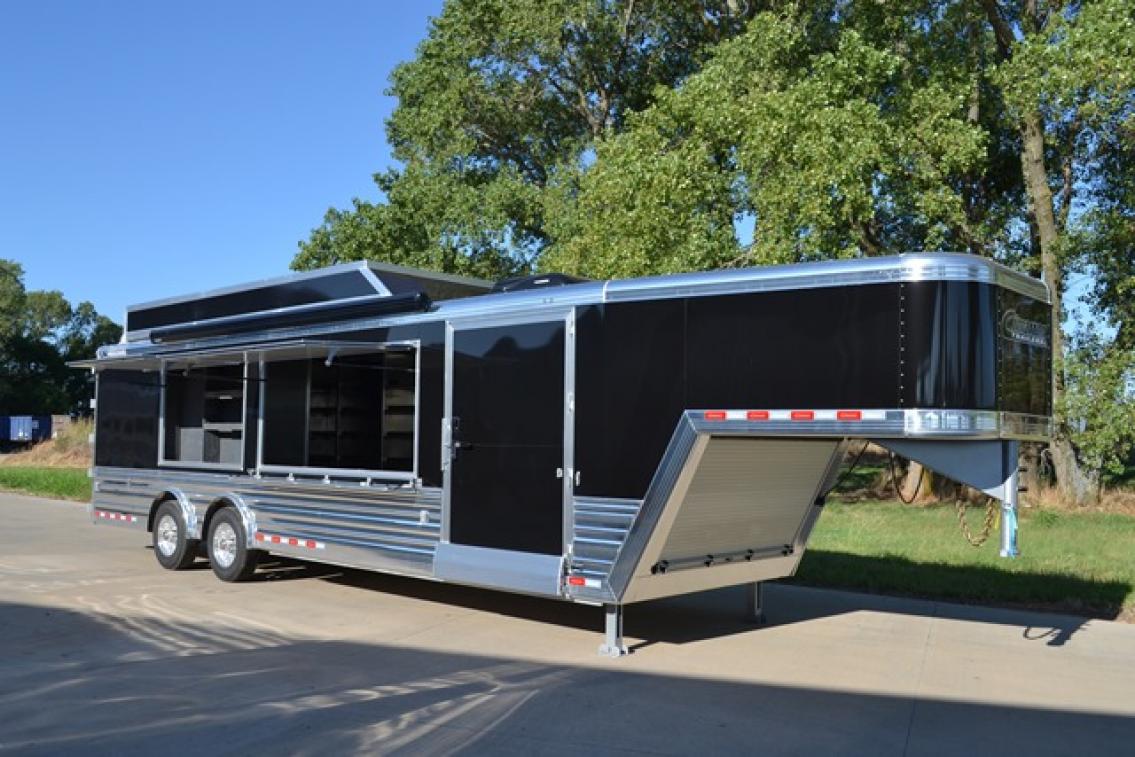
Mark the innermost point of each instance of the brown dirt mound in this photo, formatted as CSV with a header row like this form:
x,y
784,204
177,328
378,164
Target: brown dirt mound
x,y
70,449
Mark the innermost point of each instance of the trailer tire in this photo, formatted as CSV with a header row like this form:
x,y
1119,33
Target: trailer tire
x,y
227,548
172,545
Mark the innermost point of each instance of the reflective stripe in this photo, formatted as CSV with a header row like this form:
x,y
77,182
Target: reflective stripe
x,y
843,416
289,541
106,515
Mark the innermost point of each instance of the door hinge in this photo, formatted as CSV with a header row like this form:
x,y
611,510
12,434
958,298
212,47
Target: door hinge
x,y
559,472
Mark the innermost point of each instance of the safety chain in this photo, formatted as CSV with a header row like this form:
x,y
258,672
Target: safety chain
x,y
986,527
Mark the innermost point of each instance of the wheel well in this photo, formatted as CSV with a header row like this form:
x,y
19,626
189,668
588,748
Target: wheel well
x,y
166,497
214,508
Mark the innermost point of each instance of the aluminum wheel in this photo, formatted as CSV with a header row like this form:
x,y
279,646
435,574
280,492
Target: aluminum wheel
x,y
224,545
167,535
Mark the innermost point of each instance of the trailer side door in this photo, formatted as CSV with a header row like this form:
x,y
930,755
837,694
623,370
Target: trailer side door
x,y
506,416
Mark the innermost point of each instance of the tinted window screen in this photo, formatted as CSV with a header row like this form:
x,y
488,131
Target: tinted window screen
x,y
357,413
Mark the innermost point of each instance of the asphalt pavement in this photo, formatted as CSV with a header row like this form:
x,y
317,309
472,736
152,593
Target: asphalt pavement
x,y
103,652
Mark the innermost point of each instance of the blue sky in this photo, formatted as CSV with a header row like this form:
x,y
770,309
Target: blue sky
x,y
150,149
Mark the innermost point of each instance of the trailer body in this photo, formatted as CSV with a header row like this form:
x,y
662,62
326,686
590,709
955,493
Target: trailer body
x,y
25,429
601,442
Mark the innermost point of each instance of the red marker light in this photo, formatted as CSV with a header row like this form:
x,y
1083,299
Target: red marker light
x,y
715,415
577,580
757,415
849,415
803,415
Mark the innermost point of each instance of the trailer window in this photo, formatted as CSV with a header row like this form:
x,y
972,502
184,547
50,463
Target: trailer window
x,y
203,416
351,413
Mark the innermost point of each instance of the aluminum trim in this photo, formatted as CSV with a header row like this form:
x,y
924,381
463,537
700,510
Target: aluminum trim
x,y
343,473
352,473
908,267
569,433
666,482
896,423
540,302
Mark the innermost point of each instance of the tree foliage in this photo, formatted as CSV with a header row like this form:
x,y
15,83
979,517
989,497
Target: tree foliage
x,y
615,138
501,105
42,332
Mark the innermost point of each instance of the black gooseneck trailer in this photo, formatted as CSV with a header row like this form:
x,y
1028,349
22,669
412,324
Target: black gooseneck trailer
x,y
598,442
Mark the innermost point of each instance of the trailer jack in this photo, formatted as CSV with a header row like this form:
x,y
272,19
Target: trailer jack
x,y
613,644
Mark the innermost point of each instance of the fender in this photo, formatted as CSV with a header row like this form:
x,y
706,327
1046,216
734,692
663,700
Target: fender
x,y
247,517
188,512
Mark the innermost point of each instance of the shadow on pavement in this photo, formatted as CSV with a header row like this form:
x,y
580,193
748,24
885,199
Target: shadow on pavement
x,y
718,613
93,683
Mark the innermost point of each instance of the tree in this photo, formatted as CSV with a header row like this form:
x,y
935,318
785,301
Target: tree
x,y
624,138
915,125
42,332
498,110
1067,73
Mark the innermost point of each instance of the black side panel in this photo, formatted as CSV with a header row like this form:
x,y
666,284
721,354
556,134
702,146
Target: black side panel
x,y
950,350
252,389
811,348
640,364
508,405
630,389
127,429
288,294
285,413
1024,356
335,311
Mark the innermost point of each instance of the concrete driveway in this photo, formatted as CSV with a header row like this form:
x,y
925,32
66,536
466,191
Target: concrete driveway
x,y
104,652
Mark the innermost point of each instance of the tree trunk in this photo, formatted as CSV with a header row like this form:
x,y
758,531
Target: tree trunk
x,y
918,482
1071,480
1032,478
1073,483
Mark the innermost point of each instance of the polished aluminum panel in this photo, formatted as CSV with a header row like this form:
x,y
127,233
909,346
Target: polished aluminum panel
x,y
600,527
723,508
391,528
524,572
748,494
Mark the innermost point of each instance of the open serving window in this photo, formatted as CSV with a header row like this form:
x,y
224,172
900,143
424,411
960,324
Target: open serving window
x,y
343,410
321,408
203,414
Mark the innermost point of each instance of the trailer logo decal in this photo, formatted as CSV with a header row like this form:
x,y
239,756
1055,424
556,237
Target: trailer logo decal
x,y
289,541
1023,330
106,515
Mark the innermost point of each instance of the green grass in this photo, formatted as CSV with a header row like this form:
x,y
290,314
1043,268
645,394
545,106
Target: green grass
x,y
1082,563
61,483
